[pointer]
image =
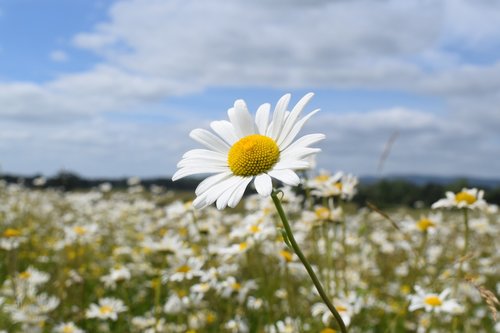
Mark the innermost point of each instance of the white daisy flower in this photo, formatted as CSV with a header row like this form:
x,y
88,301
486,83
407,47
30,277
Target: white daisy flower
x,y
471,198
433,302
108,308
68,327
244,149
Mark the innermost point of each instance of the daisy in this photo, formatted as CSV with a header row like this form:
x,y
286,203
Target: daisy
x,y
433,302
467,198
244,149
69,327
108,308
116,275
345,309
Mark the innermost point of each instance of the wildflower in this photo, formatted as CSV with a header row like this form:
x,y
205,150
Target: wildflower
x,y
180,301
186,270
11,239
69,327
231,286
105,187
425,224
345,309
33,311
236,325
33,277
39,181
245,150
467,198
328,330
433,302
340,184
289,325
116,275
108,308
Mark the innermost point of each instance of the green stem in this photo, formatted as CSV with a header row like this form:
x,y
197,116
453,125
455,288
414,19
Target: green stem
x,y
345,248
298,251
466,221
461,274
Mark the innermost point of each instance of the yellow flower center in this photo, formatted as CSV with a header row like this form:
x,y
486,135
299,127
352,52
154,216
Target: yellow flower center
x,y
322,178
68,329
25,275
328,330
432,300
425,224
253,155
322,213
183,232
341,308
184,269
465,197
243,246
105,309
210,318
9,233
236,286
79,230
254,229
286,255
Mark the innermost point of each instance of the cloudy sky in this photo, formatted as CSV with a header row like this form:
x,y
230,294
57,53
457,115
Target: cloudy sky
x,y
112,88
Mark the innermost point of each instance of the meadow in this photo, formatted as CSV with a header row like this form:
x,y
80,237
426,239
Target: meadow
x,y
143,260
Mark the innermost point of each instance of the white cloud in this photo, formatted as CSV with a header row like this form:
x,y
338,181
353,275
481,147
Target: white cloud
x,y
473,24
426,144
58,56
153,49
262,43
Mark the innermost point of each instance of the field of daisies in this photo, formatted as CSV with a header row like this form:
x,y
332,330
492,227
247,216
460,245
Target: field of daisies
x,y
143,260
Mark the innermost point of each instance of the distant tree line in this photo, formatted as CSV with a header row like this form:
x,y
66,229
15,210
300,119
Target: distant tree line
x,y
393,192
383,193
70,181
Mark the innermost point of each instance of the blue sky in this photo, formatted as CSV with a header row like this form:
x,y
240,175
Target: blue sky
x,y
112,88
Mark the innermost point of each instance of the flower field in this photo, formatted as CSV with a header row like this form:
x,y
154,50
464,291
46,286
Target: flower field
x,y
144,260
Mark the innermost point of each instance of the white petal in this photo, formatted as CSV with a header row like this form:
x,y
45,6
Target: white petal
x,y
189,171
278,116
241,119
295,130
205,162
207,183
287,176
293,116
205,153
305,141
262,118
212,194
216,191
209,139
224,198
236,196
291,164
225,130
199,202
444,293
298,153
263,185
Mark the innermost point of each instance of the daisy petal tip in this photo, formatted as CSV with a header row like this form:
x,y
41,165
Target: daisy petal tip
x,y
176,176
199,203
240,104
